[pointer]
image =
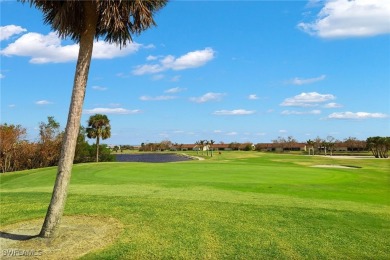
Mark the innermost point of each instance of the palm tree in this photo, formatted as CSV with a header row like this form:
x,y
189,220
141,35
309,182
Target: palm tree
x,y
98,127
84,21
211,146
197,143
201,142
207,145
311,145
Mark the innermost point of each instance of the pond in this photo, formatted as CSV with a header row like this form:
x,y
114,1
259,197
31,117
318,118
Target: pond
x,y
151,157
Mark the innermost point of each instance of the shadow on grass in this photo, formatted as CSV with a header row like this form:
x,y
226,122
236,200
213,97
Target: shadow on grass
x,y
16,237
352,166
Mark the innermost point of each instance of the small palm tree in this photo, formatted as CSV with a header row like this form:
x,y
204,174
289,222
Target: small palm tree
x,y
311,145
98,127
201,142
197,143
207,145
83,22
211,146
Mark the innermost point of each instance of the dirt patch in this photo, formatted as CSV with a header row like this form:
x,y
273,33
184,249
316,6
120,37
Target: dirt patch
x,y
78,236
335,166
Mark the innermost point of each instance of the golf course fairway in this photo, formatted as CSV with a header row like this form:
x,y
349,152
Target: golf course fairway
x,y
235,205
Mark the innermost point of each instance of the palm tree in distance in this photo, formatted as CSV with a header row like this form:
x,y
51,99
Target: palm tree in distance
x,y
211,146
207,143
197,143
201,142
84,21
311,145
98,127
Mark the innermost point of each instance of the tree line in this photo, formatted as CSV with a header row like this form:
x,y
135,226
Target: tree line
x,y
17,153
379,146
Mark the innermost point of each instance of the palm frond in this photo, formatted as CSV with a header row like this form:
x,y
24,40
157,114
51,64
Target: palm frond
x,y
118,19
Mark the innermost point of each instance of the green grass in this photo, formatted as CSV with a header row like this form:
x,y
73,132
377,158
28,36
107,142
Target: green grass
x,y
244,205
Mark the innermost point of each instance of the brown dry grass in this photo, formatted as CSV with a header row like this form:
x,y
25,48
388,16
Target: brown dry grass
x,y
78,236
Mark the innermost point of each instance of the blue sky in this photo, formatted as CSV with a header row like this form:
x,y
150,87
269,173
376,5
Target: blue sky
x,y
231,71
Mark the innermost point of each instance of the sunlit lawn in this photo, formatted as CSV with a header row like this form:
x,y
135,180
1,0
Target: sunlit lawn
x,y
243,205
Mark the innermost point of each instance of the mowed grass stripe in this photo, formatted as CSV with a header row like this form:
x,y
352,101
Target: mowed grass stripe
x,y
200,193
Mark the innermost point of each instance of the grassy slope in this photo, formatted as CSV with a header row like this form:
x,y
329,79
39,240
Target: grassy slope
x,y
238,204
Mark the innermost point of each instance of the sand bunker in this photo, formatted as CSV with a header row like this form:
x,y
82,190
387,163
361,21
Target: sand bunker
x,y
78,236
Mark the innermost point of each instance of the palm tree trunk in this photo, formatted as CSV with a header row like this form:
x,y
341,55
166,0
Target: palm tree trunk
x,y
97,148
57,204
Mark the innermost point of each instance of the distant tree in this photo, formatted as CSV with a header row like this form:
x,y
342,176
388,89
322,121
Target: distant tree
x,y
318,144
353,144
234,146
83,149
11,137
98,127
331,142
50,142
324,146
310,144
201,143
379,146
211,143
197,145
116,148
165,145
281,142
350,142
291,142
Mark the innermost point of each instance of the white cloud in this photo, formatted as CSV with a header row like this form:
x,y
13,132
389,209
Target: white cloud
x,y
43,102
158,98
148,69
292,112
332,105
208,97
151,57
357,115
190,60
300,81
2,76
9,30
307,99
236,112
345,18
99,88
253,97
104,50
283,131
120,111
232,133
48,49
217,131
174,90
